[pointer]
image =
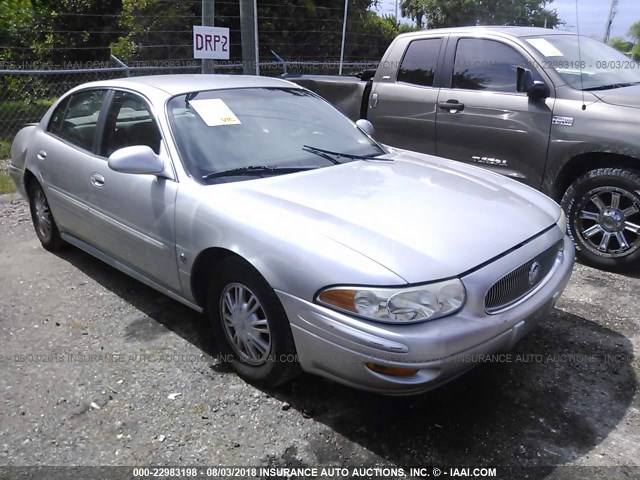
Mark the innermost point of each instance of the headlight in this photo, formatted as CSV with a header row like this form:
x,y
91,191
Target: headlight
x,y
562,222
397,305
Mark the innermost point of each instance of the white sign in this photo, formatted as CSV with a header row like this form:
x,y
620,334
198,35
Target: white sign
x,y
211,42
214,112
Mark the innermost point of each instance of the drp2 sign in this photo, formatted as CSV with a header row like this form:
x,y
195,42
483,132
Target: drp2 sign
x,y
211,42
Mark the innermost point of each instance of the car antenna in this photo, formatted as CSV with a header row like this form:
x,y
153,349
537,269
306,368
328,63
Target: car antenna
x,y
584,106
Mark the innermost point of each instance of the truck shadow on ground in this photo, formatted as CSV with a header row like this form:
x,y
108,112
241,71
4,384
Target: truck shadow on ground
x,y
570,387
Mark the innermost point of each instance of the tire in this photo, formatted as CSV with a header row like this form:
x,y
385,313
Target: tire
x,y
43,222
603,218
250,325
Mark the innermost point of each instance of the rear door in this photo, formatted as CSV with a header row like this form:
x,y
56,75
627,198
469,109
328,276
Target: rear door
x,y
481,118
403,102
65,152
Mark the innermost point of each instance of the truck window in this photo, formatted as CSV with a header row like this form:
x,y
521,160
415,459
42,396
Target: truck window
x,y
487,65
419,63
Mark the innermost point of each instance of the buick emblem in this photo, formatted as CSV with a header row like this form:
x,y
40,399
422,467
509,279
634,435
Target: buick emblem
x,y
534,273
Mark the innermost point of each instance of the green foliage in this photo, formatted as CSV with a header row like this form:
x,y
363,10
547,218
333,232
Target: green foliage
x,y
296,29
453,13
621,44
634,32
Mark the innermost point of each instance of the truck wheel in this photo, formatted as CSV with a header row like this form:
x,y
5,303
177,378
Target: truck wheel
x,y
43,222
250,325
603,218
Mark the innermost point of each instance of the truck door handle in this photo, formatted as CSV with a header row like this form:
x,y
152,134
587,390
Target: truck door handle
x,y
452,106
97,180
42,155
374,101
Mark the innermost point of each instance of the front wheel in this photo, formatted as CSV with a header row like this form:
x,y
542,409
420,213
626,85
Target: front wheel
x,y
43,222
603,218
250,325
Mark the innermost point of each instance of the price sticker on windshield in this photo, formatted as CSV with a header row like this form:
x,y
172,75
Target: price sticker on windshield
x,y
545,47
214,112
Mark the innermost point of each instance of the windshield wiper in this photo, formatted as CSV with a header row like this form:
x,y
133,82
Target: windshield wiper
x,y
610,86
255,170
333,156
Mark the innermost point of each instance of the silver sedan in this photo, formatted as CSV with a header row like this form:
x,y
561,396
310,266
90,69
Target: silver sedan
x,y
308,245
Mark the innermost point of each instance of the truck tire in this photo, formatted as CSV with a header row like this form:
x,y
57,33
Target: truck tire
x,y
250,325
603,218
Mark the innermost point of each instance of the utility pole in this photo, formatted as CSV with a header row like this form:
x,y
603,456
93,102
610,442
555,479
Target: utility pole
x,y
249,36
612,13
397,11
344,34
207,21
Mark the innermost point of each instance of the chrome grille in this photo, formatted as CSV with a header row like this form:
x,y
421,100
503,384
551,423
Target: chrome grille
x,y
521,281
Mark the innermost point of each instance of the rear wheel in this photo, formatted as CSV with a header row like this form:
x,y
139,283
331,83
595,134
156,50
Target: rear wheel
x,y
251,326
603,218
43,222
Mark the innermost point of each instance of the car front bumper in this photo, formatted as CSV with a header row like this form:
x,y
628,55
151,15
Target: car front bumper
x,y
339,346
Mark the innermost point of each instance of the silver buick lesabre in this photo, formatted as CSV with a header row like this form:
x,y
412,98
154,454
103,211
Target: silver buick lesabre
x,y
308,245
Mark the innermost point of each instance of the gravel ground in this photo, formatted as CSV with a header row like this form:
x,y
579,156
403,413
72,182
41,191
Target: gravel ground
x,y
98,369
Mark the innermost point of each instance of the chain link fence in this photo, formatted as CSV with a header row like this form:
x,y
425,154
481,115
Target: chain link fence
x,y
25,95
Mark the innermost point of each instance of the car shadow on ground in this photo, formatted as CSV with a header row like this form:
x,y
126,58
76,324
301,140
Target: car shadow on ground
x,y
562,390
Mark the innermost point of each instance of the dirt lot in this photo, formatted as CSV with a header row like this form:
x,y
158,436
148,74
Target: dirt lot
x,y
89,360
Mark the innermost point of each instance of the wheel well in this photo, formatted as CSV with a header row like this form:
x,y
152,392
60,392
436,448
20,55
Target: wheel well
x,y
585,162
207,261
29,179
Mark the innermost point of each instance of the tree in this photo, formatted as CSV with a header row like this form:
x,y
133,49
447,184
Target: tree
x,y
454,13
621,44
634,33
295,29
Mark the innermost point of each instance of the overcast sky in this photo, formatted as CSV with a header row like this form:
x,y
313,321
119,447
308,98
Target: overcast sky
x,y
592,15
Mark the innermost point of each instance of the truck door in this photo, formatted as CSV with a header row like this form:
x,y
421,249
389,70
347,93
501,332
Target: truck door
x,y
403,102
482,120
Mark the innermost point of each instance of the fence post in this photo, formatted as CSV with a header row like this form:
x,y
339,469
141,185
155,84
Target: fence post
x,y
208,20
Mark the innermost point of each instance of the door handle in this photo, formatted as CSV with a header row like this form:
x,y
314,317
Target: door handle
x,y
452,106
373,103
41,155
97,180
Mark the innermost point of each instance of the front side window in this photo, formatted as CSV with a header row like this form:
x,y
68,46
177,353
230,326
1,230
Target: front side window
x,y
487,65
281,128
80,119
129,122
420,61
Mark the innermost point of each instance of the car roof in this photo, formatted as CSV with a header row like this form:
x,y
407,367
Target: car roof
x,y
170,85
495,29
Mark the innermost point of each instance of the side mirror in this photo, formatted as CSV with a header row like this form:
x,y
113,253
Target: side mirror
x,y
366,126
535,89
139,159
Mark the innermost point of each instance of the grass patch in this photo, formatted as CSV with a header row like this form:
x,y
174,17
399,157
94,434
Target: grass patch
x,y
5,150
6,183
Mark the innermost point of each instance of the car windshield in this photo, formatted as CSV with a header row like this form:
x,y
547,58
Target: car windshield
x,y
601,66
262,131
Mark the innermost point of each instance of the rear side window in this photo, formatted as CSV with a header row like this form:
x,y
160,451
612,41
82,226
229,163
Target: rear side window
x,y
487,65
80,119
55,124
419,64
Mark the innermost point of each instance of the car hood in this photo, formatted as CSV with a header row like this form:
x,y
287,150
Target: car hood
x,y
624,97
424,218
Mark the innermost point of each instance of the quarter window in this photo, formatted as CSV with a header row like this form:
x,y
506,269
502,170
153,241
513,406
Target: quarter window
x,y
78,125
129,122
487,65
420,61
